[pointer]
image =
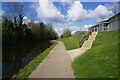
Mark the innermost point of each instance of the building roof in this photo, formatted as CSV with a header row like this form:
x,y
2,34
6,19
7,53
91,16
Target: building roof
x,y
114,16
106,20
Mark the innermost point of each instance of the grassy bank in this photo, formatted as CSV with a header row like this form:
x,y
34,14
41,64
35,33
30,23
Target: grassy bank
x,y
25,72
72,42
101,61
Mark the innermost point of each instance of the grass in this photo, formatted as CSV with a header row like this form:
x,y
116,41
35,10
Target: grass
x,y
72,42
25,72
101,61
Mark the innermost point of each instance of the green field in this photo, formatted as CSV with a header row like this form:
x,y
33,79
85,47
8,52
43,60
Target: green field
x,y
101,61
72,42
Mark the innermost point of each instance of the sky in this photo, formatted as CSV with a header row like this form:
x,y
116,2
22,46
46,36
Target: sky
x,y
74,15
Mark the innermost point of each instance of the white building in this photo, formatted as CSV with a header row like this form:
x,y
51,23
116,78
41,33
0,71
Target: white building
x,y
112,23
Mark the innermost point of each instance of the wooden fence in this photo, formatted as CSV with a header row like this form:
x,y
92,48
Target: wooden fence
x,y
84,38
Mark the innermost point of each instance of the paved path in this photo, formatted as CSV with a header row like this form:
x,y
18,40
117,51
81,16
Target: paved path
x,y
56,65
86,45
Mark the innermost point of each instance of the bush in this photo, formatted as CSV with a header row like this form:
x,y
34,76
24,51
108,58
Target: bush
x,y
66,33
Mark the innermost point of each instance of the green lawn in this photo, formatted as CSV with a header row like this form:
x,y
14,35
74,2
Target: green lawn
x,y
25,72
101,61
72,42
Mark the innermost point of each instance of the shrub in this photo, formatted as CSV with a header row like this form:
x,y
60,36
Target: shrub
x,y
66,33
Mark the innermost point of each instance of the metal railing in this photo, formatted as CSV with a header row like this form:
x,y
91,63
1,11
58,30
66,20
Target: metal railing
x,y
84,38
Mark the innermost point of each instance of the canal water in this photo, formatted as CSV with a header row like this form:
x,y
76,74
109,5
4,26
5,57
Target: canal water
x,y
16,57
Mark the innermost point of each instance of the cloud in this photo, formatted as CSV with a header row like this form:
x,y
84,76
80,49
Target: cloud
x,y
2,12
61,27
102,12
59,30
66,3
78,13
116,8
48,11
34,5
26,20
74,29
60,0
85,27
36,21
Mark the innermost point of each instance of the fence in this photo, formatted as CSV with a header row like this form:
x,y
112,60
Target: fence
x,y
84,38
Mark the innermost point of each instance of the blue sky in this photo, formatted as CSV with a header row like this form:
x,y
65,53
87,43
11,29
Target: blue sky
x,y
73,15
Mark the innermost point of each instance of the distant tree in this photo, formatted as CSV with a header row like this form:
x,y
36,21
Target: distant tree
x,y
66,33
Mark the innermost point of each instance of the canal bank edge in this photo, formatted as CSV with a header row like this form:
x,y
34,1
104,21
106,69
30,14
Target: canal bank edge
x,y
25,72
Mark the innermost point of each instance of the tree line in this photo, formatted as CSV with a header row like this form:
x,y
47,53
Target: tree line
x,y
14,32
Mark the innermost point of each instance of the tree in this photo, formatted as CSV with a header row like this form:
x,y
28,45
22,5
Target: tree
x,y
15,9
7,31
16,12
51,33
66,33
42,31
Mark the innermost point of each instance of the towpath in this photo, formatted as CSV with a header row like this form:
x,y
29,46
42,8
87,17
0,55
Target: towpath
x,y
56,65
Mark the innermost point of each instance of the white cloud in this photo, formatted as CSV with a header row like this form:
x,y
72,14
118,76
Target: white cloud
x,y
102,12
85,27
34,5
2,12
48,11
59,30
26,20
68,25
66,3
61,27
74,29
60,0
116,7
78,13
36,21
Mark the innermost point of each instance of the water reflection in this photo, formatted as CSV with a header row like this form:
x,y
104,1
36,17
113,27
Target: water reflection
x,y
16,57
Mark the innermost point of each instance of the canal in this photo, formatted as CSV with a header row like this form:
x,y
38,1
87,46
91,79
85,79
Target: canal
x,y
16,57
